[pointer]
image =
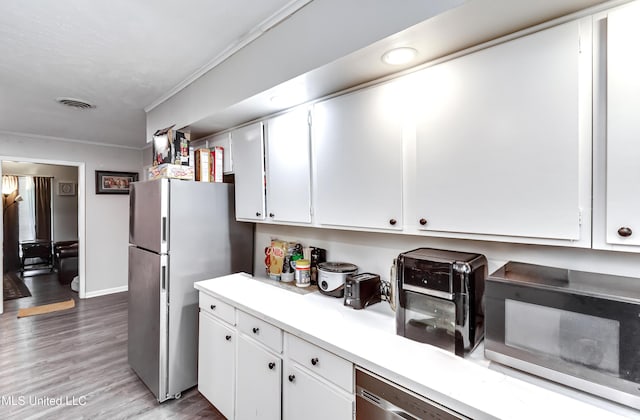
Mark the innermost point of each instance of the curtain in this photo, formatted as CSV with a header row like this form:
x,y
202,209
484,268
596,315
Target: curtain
x,y
42,190
10,248
27,209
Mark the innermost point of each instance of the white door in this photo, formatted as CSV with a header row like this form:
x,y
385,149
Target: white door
x,y
216,363
288,158
248,164
500,139
623,127
257,382
306,397
357,141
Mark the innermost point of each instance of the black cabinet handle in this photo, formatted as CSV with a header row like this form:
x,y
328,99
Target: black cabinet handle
x,y
227,337
423,221
625,232
272,215
393,222
255,330
258,214
213,307
271,365
292,378
314,361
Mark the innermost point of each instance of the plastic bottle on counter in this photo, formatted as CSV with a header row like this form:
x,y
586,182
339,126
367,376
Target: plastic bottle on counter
x,y
303,275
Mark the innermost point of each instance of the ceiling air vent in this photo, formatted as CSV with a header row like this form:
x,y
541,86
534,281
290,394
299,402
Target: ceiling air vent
x,y
75,103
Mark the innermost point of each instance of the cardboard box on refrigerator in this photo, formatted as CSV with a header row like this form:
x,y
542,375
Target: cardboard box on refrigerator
x,y
217,163
168,170
202,163
180,148
162,146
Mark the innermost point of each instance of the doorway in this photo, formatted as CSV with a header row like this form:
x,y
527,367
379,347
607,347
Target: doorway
x,y
36,262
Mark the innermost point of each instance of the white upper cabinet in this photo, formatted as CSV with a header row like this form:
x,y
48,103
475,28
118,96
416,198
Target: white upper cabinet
x,y
357,146
623,127
288,160
248,165
502,145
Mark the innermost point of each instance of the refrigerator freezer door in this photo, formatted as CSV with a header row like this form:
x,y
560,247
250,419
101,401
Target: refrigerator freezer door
x,y
148,215
203,228
206,242
147,333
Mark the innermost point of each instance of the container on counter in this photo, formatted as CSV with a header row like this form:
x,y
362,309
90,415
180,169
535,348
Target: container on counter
x,y
274,258
302,274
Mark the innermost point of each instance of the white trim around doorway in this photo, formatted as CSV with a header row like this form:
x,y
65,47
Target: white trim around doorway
x,y
82,238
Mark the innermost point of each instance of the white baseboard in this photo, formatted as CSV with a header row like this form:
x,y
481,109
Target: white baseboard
x,y
103,292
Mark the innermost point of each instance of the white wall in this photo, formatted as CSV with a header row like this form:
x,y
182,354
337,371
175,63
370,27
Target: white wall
x,y
107,216
374,252
65,207
319,33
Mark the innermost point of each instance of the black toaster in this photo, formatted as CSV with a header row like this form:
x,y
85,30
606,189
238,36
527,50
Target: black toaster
x,y
361,290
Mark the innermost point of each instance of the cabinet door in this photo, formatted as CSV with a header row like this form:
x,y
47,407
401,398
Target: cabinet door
x,y
623,127
501,137
258,382
306,397
357,140
289,167
216,364
224,141
249,172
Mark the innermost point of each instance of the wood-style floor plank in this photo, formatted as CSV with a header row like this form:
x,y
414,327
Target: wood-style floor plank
x,y
73,364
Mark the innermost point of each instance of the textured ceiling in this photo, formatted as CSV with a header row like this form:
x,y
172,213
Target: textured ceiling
x,y
120,55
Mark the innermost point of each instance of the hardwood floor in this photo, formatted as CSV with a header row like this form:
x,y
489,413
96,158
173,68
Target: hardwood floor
x,y
73,364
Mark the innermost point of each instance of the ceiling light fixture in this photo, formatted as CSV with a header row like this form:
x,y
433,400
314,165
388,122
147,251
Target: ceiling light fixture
x,y
75,103
399,56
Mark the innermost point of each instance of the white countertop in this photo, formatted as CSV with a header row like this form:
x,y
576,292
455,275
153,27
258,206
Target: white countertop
x,y
367,338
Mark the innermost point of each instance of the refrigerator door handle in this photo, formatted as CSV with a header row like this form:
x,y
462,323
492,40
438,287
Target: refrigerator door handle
x,y
164,229
132,212
164,331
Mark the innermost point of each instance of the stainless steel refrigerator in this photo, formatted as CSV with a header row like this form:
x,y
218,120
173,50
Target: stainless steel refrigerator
x,y
180,232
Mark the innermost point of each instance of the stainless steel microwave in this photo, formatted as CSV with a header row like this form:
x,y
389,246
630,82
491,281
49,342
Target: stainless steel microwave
x,y
577,328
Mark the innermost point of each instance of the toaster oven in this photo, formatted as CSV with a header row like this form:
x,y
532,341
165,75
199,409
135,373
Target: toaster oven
x,y
440,298
577,328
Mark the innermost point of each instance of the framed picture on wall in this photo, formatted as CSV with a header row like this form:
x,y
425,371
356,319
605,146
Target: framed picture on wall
x,y
110,182
66,188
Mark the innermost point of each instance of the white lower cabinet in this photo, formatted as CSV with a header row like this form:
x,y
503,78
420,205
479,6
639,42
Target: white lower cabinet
x,y
216,363
306,396
258,374
245,373
317,384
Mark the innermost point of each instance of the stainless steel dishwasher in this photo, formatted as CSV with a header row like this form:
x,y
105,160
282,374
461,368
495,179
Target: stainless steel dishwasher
x,y
380,399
